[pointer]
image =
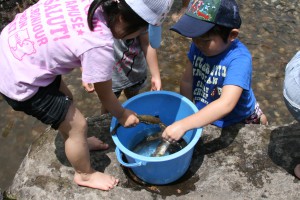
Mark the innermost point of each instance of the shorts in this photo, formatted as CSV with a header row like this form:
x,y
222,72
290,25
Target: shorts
x,y
133,88
48,105
291,86
254,118
293,109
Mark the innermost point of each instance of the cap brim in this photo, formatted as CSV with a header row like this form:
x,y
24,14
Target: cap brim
x,y
154,36
191,27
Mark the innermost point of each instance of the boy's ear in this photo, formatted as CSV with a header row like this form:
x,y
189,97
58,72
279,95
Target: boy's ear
x,y
233,34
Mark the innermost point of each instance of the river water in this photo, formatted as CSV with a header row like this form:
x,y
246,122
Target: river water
x,y
270,29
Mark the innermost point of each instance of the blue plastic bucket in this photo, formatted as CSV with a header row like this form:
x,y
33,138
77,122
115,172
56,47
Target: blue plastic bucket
x,y
170,107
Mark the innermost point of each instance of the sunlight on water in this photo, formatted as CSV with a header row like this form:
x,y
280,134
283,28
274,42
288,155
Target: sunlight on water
x,y
147,148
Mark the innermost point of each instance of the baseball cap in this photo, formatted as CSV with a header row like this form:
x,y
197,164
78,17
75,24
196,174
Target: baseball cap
x,y
203,15
154,12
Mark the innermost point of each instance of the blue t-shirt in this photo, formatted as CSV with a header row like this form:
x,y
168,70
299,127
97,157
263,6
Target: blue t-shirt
x,y
210,74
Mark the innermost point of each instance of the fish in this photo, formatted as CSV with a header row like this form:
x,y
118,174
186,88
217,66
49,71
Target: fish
x,y
146,119
161,148
149,119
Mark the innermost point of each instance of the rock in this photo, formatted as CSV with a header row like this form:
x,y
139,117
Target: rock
x,y
239,162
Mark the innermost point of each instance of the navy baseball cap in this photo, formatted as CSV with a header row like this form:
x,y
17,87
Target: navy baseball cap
x,y
203,15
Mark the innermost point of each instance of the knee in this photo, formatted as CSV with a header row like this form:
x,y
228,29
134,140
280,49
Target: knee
x,y
82,126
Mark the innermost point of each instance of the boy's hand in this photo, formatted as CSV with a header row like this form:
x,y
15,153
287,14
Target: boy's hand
x,y
128,118
89,87
173,132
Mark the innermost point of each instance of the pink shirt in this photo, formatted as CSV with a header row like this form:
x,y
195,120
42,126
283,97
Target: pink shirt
x,y
52,38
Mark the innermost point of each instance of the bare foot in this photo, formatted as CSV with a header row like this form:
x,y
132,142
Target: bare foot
x,y
96,180
263,120
96,144
297,171
176,16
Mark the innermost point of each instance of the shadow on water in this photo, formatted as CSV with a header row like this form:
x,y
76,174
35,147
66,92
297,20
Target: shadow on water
x,y
284,147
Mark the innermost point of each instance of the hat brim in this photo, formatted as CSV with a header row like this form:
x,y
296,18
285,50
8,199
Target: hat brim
x,y
191,27
154,35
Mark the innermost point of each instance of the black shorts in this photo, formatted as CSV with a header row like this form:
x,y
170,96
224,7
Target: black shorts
x,y
48,105
135,87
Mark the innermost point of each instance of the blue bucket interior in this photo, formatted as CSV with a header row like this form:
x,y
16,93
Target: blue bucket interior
x,y
169,107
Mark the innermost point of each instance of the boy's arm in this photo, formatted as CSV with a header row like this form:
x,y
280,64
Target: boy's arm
x,y
186,84
151,58
210,113
111,103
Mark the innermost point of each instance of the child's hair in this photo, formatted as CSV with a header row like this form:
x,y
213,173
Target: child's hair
x,y
112,10
222,31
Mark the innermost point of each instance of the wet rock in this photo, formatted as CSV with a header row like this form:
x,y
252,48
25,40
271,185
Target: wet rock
x,y
239,162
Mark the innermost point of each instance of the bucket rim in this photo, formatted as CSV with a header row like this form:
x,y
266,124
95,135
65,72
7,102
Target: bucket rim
x,y
180,153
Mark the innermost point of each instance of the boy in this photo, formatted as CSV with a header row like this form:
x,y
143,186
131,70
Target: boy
x,y
218,77
291,91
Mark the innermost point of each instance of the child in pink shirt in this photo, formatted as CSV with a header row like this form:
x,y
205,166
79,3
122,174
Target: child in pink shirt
x,y
50,39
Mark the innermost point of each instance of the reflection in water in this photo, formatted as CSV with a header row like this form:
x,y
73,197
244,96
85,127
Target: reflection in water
x,y
270,30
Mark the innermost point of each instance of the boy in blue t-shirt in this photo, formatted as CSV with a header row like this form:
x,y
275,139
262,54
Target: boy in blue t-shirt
x,y
218,76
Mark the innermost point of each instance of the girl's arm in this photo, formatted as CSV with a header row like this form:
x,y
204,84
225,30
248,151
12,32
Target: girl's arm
x,y
89,87
151,58
111,103
210,113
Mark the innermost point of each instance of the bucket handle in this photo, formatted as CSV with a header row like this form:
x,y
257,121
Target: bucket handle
x,y
119,157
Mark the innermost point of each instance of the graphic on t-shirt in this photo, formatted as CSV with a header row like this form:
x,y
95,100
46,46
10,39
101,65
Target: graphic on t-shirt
x,y
208,80
21,45
128,57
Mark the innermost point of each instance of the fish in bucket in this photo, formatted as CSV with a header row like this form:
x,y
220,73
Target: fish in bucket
x,y
158,109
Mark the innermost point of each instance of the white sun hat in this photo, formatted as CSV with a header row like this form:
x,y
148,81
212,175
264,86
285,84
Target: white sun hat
x,y
154,12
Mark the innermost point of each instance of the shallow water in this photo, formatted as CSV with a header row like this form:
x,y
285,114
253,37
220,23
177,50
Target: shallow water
x,y
270,29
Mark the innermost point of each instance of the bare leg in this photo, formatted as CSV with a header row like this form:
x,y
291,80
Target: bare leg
x,y
129,93
74,130
263,120
93,142
64,89
297,171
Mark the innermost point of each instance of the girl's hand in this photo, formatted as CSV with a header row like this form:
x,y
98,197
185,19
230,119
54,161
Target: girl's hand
x,y
128,118
89,87
155,84
174,132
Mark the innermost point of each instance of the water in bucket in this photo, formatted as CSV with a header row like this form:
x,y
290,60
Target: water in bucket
x,y
150,143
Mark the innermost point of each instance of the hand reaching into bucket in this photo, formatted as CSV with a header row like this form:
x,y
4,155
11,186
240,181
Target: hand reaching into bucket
x,y
128,118
174,132
88,87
